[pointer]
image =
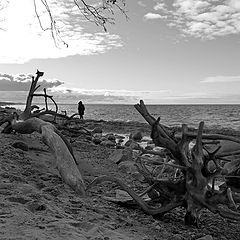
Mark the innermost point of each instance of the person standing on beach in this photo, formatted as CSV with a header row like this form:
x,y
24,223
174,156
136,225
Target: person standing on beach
x,y
81,109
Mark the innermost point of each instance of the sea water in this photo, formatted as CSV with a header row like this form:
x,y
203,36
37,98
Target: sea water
x,y
214,116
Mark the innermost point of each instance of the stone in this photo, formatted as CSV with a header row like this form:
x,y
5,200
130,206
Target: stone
x,y
111,137
97,135
148,147
96,140
128,143
127,167
120,155
137,136
97,130
120,141
108,143
134,146
21,145
119,146
103,138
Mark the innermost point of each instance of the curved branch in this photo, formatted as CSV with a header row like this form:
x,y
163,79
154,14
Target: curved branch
x,y
162,136
148,209
50,113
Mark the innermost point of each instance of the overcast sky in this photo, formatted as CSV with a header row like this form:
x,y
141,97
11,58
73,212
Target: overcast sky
x,y
168,52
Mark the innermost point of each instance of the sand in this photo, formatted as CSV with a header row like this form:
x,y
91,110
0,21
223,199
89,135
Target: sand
x,y
36,204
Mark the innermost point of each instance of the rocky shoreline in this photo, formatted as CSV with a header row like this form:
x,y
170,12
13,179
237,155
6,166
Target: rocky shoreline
x,y
36,204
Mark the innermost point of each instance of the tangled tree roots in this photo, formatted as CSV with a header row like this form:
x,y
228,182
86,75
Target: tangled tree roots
x,y
195,188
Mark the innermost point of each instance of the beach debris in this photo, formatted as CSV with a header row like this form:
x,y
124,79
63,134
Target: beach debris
x,y
137,136
108,143
36,206
134,146
120,155
111,137
128,142
127,167
21,145
97,130
185,171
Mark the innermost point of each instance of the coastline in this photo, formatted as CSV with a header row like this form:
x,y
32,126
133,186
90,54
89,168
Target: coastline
x,y
35,203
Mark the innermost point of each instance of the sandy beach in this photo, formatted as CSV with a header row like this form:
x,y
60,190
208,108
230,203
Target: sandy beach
x,y
36,204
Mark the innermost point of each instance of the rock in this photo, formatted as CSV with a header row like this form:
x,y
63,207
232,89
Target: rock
x,y
103,139
97,130
120,155
148,147
127,167
36,206
134,146
108,143
21,145
128,143
111,137
96,140
97,135
120,141
119,146
137,136
207,237
120,137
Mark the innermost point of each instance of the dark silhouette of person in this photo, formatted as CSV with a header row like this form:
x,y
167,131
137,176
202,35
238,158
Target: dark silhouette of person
x,y
81,109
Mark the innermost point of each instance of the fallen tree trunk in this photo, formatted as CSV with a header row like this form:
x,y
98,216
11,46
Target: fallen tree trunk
x,y
64,160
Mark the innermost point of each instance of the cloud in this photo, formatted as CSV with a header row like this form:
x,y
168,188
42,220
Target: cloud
x,y
221,79
15,88
205,19
22,82
151,16
159,6
71,95
24,40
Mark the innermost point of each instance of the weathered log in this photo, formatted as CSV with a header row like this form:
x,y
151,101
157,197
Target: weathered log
x,y
65,161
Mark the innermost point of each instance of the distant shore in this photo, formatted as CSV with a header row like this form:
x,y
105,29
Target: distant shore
x,y
9,103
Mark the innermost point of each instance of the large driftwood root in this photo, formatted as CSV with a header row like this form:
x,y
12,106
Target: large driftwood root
x,y
195,188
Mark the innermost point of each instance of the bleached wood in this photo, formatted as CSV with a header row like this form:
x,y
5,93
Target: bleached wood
x,y
64,160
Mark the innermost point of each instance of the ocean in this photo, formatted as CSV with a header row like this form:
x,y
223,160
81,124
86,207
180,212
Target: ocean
x,y
214,116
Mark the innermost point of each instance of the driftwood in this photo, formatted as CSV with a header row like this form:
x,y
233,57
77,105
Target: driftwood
x,y
194,189
27,123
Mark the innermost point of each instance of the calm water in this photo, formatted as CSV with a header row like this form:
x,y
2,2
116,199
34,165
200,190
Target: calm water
x,y
213,115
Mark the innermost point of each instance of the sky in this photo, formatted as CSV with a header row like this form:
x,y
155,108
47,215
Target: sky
x,y
166,52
